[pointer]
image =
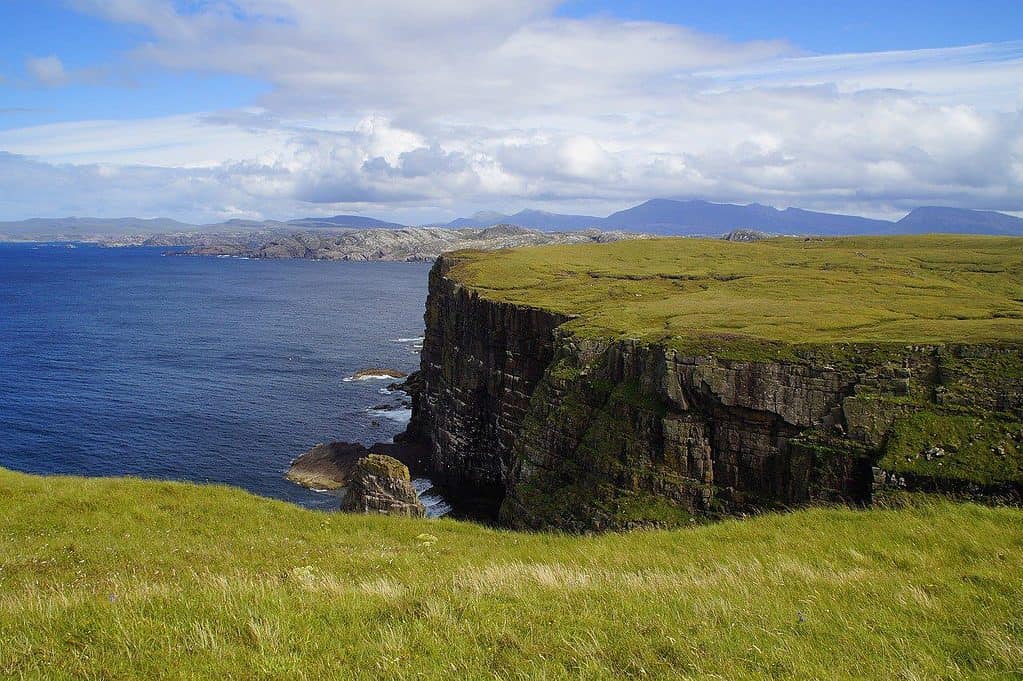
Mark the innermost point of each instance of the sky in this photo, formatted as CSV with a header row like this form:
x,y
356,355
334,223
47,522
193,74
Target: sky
x,y
207,110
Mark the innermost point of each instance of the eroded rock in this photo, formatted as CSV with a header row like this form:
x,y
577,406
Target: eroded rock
x,y
381,484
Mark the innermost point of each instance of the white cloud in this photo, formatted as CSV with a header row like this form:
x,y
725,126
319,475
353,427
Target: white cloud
x,y
48,71
413,110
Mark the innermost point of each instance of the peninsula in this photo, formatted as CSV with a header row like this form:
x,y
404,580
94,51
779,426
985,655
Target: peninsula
x,y
407,244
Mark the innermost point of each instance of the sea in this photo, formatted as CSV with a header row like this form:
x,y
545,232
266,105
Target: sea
x,y
136,362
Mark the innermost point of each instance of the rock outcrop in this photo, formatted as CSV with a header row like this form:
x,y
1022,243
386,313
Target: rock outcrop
x,y
331,466
326,466
581,434
746,235
377,372
381,484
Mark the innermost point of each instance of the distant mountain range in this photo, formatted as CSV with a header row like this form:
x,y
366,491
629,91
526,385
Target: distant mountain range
x,y
937,219
658,216
691,218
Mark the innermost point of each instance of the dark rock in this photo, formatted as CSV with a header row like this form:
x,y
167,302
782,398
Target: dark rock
x,y
326,466
373,372
414,455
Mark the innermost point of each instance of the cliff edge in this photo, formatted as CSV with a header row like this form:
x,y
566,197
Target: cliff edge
x,y
658,382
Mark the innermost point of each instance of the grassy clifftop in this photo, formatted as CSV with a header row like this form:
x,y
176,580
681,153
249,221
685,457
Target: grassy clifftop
x,y
133,579
901,289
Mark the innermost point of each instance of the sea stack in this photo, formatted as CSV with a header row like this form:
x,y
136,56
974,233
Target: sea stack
x,y
381,484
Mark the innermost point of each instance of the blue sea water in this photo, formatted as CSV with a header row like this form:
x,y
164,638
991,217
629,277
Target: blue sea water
x,y
123,361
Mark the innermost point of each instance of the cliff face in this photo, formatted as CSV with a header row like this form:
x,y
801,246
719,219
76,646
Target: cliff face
x,y
481,362
580,434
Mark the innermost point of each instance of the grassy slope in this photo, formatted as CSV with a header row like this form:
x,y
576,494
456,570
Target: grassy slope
x,y
920,289
125,578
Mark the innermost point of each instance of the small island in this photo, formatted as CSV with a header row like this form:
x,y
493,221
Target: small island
x,y
377,373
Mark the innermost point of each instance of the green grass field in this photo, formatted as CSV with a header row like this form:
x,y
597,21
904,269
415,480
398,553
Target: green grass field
x,y
105,579
879,289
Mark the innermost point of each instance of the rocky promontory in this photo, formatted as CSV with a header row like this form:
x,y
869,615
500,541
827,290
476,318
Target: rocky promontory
x,y
408,244
660,382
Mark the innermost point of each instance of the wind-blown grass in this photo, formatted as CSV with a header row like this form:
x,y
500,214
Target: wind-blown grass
x,y
136,579
877,289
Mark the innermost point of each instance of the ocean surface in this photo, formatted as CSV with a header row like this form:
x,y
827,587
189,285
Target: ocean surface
x,y
124,361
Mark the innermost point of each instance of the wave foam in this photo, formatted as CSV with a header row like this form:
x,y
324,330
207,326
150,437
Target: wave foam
x,y
400,415
434,503
370,377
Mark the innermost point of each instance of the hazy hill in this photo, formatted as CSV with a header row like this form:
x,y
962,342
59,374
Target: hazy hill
x,y
938,219
357,221
88,229
88,226
533,219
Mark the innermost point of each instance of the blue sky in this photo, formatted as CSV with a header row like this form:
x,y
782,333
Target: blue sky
x,y
47,27
864,26
415,113
50,27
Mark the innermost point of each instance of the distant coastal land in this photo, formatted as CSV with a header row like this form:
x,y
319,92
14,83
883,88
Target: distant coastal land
x,y
412,244
358,237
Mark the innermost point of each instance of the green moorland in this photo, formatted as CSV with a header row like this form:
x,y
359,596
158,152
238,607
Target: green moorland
x,y
792,291
105,579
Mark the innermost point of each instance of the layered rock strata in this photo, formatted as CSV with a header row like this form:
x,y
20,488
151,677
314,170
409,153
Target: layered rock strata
x,y
381,484
582,434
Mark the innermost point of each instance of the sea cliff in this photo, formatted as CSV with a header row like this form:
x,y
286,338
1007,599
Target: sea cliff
x,y
556,426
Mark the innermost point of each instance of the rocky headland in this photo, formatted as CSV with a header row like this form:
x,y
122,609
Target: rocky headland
x,y
411,244
661,382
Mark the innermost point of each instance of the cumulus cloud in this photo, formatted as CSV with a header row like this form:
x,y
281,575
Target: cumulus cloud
x,y
416,111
